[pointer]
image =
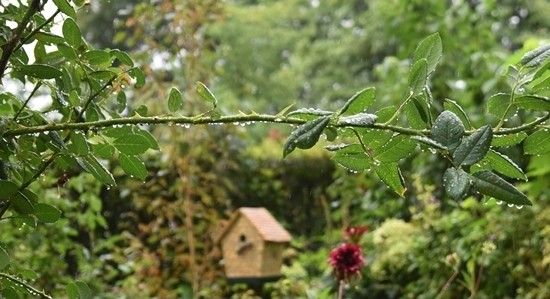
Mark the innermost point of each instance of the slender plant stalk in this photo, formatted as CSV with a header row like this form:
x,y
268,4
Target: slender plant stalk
x,y
447,284
396,113
24,284
341,289
36,87
37,29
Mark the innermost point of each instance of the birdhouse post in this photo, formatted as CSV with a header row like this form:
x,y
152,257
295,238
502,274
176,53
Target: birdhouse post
x,y
252,245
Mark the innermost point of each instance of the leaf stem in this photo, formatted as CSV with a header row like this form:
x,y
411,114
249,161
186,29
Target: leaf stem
x,y
25,285
27,101
396,113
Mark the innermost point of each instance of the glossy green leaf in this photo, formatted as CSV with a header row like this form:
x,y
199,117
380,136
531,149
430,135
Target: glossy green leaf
x,y
133,166
533,102
397,148
22,203
456,182
503,165
132,144
352,157
72,33
206,94
49,38
79,145
508,140
91,165
431,49
418,76
306,135
537,143
390,174
4,258
97,57
138,75
123,57
175,100
492,185
65,7
359,119
454,107
78,290
7,189
474,147
416,111
40,71
359,102
497,105
447,130
46,213
103,150
536,57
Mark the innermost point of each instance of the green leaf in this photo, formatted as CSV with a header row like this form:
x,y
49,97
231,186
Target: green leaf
x,y
91,165
132,144
474,147
359,102
79,145
359,119
491,184
7,189
497,105
103,150
503,164
78,290
175,100
74,99
40,71
416,111
4,258
384,114
533,102
430,48
537,143
397,148
137,74
72,33
10,293
508,140
390,174
456,182
22,203
49,38
133,166
454,107
123,57
536,57
352,157
429,142
206,94
306,135
447,130
46,213
65,7
418,76
97,57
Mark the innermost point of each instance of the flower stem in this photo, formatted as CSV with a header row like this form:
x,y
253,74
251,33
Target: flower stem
x,y
341,289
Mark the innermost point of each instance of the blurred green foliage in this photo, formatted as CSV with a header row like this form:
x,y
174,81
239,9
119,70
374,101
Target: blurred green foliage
x,y
154,239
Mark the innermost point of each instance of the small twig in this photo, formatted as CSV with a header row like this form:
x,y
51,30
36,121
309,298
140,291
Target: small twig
x,y
341,289
27,101
30,35
396,113
9,47
24,284
447,284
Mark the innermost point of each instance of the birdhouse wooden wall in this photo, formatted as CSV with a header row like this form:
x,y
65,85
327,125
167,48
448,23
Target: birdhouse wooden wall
x,y
242,249
252,245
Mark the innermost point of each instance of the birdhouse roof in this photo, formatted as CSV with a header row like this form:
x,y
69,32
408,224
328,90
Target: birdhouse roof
x,y
266,225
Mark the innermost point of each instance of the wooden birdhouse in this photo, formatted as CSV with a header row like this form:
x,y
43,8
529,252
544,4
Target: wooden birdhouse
x,y
252,245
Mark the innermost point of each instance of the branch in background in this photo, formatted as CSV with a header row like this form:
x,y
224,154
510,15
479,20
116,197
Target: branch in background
x,y
33,291
30,35
14,41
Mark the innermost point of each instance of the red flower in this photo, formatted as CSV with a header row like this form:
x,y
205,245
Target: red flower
x,y
354,233
346,260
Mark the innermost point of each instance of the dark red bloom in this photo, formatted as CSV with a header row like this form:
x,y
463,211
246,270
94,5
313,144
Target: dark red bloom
x,y
354,233
346,260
